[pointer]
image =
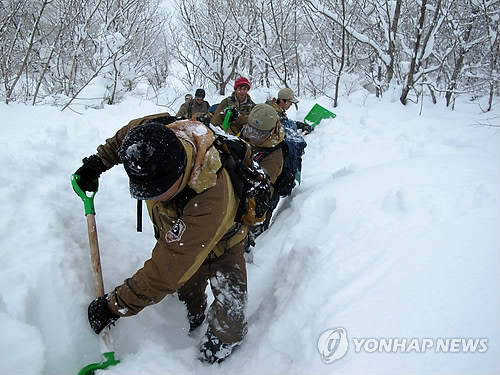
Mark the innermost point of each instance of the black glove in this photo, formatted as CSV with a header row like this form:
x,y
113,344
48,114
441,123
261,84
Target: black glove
x,y
234,113
304,127
89,172
100,316
205,118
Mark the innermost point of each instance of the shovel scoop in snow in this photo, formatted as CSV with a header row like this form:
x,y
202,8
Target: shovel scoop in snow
x,y
106,343
316,114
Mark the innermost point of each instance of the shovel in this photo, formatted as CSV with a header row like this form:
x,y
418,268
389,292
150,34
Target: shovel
x,y
225,123
105,341
316,114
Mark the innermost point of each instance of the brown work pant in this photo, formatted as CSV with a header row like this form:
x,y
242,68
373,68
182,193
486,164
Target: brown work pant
x,y
228,279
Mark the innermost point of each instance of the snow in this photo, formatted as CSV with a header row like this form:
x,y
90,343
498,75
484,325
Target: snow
x,y
393,233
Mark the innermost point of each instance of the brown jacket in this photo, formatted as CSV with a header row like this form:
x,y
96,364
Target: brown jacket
x,y
269,154
281,112
243,109
184,241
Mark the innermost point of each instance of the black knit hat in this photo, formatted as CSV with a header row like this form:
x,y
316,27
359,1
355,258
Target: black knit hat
x,y
154,158
200,93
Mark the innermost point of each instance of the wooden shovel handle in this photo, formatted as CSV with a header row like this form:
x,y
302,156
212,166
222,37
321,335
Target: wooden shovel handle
x,y
95,258
106,343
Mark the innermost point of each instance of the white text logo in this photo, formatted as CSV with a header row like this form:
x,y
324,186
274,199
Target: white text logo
x,y
333,344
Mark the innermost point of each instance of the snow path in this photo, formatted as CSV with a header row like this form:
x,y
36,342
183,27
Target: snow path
x,y
392,233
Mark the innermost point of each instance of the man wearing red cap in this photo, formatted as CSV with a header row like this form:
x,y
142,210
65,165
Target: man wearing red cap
x,y
241,104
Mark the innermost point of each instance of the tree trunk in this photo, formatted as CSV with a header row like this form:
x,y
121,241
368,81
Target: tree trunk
x,y
492,73
409,81
392,44
458,66
9,92
378,88
295,44
342,58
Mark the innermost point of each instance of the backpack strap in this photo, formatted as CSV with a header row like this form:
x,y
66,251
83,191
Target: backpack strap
x,y
182,199
139,215
261,155
190,109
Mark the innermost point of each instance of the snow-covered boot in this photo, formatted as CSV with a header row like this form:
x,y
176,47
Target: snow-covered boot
x,y
195,321
100,316
212,350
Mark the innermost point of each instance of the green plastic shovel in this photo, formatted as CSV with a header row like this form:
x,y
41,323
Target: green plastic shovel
x,y
316,114
106,343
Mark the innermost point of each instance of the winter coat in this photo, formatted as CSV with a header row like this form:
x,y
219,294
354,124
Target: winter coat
x,y
281,112
296,125
243,109
186,236
269,154
192,110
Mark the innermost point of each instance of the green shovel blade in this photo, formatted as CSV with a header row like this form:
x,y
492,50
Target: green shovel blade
x,y
109,361
316,114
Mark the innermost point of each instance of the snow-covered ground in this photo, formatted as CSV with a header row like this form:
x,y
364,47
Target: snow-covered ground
x,y
393,234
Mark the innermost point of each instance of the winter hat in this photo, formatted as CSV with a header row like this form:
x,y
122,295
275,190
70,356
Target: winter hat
x,y
263,117
200,93
240,81
154,159
287,94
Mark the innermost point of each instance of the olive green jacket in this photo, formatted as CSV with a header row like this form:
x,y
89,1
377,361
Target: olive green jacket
x,y
243,109
192,109
269,154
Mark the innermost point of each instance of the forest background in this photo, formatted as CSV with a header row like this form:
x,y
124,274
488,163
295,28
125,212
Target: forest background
x,y
70,52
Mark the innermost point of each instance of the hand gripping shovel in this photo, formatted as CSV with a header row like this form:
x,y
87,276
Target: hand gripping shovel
x,y
104,337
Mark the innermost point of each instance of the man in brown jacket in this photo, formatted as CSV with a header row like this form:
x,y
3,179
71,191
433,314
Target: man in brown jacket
x,y
265,133
194,108
241,104
282,103
191,202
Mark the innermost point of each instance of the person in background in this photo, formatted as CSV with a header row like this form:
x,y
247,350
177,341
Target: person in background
x,y
175,168
265,134
240,103
292,149
183,108
282,103
194,108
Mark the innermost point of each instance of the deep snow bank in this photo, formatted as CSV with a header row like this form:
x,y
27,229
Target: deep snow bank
x,y
392,233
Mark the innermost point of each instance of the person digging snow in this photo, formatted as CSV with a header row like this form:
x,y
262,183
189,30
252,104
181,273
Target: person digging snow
x,y
175,168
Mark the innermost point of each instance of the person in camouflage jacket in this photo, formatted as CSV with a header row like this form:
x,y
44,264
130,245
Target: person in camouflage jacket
x,y
241,104
194,108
